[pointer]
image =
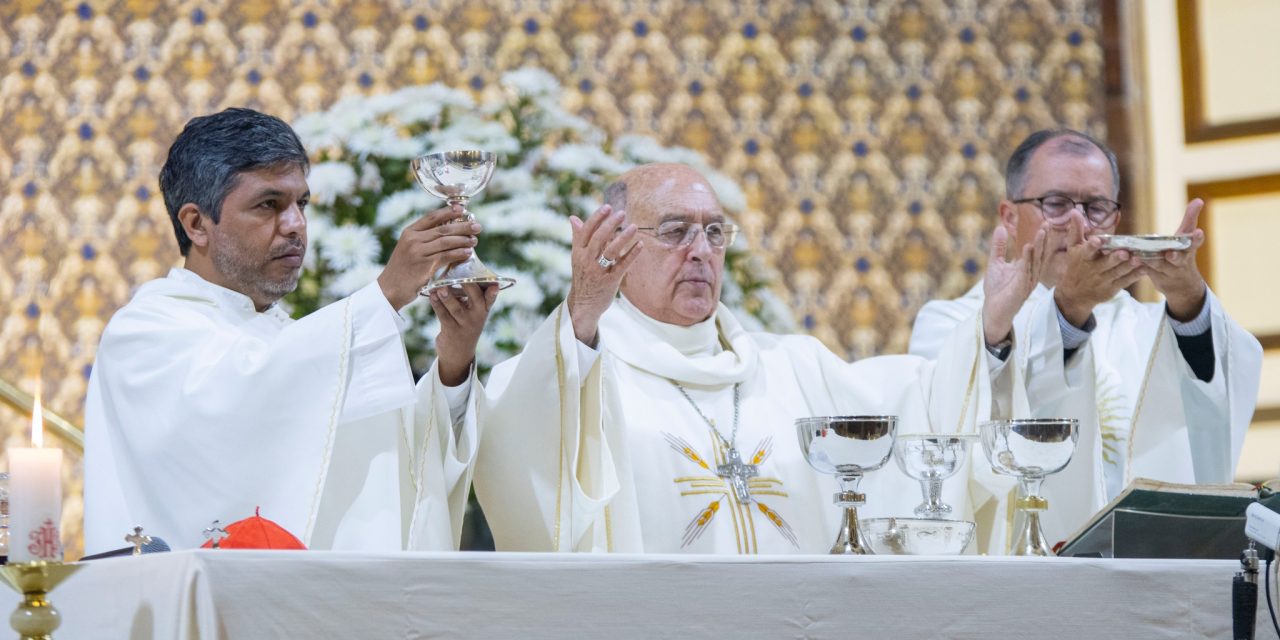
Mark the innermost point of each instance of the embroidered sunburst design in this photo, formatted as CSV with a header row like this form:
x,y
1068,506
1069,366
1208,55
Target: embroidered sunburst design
x,y
1112,418
716,486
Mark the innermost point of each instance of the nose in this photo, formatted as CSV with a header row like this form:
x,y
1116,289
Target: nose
x,y
700,248
1084,214
292,221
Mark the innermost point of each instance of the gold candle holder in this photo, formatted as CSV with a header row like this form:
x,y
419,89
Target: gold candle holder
x,y
36,618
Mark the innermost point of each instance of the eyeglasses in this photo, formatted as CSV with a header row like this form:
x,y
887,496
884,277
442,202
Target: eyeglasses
x,y
1101,212
679,233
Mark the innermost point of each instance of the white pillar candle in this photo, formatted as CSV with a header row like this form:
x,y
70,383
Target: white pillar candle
x,y
35,498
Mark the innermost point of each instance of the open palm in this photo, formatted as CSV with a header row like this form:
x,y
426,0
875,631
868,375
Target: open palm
x,y
1008,283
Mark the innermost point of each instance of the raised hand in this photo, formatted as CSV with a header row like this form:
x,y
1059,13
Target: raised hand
x,y
434,241
1008,283
604,248
462,313
1175,273
1092,276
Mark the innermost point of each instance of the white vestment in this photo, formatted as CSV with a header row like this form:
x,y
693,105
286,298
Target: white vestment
x,y
201,408
1142,410
615,458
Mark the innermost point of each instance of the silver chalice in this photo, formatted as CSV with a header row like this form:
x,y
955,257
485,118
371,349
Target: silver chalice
x,y
848,447
456,176
931,458
1029,450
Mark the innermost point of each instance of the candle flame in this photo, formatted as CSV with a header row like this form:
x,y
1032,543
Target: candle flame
x,y
37,421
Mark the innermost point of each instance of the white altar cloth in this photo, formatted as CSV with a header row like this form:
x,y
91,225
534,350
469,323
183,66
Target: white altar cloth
x,y
236,594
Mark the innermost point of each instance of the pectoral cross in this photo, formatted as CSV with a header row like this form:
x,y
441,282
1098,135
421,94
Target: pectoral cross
x,y
137,540
215,533
737,472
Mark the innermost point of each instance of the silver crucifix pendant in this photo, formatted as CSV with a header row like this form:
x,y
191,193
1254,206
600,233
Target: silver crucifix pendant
x,y
737,473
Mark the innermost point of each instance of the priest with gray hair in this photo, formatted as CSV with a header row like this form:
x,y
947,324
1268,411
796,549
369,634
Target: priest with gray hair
x,y
643,417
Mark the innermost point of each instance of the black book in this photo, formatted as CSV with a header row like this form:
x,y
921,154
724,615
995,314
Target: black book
x,y
1152,519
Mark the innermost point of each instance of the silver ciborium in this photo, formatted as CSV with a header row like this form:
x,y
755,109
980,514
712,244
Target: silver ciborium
x,y
848,447
931,458
1029,450
456,176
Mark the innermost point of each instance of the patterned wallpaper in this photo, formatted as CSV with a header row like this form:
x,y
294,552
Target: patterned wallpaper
x,y
869,136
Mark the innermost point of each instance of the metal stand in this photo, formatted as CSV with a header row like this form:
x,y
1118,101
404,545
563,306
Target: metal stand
x,y
849,541
36,618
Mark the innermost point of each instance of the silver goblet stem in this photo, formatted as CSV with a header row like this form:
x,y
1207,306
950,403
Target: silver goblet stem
x,y
849,540
1029,539
933,506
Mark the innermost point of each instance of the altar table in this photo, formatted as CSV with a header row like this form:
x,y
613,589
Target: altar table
x,y
214,594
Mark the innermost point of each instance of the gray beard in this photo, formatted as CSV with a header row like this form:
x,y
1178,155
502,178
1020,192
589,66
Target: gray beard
x,y
237,268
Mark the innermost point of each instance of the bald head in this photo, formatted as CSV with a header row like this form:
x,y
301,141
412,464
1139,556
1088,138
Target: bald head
x,y
672,284
646,181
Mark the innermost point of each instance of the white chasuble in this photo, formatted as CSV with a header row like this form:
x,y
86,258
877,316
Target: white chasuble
x,y
617,458
201,408
1142,410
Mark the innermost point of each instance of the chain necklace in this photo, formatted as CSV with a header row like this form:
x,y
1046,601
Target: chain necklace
x,y
734,471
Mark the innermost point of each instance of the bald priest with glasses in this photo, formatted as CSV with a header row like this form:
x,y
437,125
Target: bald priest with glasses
x,y
1163,390
653,421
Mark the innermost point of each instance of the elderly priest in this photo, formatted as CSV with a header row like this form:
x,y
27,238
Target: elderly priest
x,y
1162,390
626,421
207,401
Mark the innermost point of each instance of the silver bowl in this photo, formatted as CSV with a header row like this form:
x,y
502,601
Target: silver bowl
x,y
917,536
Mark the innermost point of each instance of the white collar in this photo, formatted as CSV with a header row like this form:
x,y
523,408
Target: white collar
x,y
184,283
700,339
695,355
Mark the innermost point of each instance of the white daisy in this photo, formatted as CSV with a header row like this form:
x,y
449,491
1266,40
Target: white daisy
x,y
531,82
329,181
348,246
408,205
353,279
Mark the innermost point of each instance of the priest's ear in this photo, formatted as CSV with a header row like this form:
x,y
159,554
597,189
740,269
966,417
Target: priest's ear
x,y
1009,220
1009,217
195,224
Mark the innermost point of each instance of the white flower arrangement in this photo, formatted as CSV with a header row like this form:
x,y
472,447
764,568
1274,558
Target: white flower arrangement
x,y
553,164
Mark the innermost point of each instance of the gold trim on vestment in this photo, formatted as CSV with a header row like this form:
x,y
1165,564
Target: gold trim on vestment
x,y
413,477
765,492
1010,512
751,522
334,413
560,376
1142,394
608,528
973,375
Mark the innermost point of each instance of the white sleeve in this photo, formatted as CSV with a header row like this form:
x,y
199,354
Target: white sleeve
x,y
587,357
379,374
457,398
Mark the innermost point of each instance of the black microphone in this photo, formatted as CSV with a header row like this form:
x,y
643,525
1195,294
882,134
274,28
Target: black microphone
x,y
1244,596
157,545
